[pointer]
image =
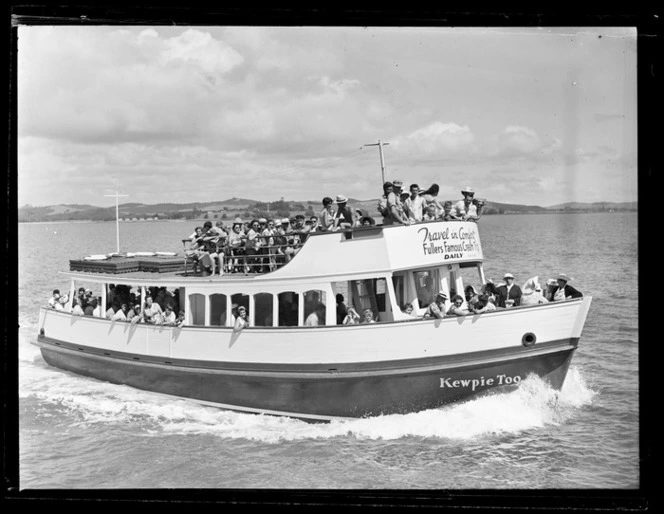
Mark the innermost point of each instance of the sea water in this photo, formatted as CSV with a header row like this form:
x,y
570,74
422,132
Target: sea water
x,y
80,433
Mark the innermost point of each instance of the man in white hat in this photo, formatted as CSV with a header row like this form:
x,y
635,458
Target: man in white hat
x,y
344,217
564,291
468,209
507,295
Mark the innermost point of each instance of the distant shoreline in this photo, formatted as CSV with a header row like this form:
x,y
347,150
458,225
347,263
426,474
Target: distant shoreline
x,y
203,220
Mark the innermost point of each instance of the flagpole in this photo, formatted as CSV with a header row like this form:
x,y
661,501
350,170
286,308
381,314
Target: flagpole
x,y
117,218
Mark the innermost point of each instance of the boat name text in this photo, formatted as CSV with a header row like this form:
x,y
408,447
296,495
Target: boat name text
x,y
479,382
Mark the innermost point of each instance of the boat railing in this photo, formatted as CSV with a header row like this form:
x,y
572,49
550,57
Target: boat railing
x,y
260,254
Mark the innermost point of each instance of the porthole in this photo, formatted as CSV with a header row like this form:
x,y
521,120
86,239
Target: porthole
x,y
528,339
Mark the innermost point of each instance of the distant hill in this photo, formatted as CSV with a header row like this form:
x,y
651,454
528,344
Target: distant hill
x,y
246,208
596,206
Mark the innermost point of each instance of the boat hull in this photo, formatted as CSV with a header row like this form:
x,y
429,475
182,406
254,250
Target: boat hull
x,y
321,392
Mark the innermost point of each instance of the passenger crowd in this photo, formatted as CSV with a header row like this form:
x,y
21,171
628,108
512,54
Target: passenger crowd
x,y
262,245
503,296
161,306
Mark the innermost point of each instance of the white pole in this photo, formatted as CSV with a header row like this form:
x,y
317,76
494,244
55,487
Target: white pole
x,y
380,145
117,219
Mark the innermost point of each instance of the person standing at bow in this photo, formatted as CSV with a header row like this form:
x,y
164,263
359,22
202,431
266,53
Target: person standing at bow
x,y
564,291
508,295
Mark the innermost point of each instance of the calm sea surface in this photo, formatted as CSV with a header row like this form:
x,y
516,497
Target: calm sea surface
x,y
78,433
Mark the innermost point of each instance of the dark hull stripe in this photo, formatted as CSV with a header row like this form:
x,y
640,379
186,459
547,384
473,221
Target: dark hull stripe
x,y
320,395
346,367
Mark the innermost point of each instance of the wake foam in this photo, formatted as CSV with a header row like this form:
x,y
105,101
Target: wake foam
x,y
532,405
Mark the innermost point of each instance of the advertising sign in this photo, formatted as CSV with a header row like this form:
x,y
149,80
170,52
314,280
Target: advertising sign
x,y
433,243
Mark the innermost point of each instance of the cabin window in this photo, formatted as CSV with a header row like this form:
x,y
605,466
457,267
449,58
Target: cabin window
x,y
197,309
342,300
218,304
289,302
239,300
368,294
398,281
427,285
263,309
311,299
470,275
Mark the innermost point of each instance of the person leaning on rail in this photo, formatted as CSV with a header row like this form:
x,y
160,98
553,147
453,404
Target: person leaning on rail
x,y
468,209
436,309
456,308
395,208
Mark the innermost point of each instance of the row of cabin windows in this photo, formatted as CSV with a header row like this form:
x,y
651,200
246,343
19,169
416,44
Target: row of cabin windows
x,y
422,285
288,305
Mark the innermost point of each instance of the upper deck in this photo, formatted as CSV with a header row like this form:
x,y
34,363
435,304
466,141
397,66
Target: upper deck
x,y
366,250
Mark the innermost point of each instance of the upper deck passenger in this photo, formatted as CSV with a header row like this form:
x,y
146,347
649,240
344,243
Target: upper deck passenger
x,y
327,215
395,211
343,218
468,209
414,204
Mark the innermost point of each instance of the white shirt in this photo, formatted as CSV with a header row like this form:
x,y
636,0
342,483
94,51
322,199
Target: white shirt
x,y
461,211
312,320
414,206
119,315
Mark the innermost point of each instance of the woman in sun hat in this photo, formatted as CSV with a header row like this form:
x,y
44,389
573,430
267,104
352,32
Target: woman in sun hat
x,y
367,221
532,293
563,290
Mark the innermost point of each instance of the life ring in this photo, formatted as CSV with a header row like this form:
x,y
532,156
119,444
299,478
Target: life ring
x,y
528,339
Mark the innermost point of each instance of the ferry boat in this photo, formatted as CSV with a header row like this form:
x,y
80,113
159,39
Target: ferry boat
x,y
278,365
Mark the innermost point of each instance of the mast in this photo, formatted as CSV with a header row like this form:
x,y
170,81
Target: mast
x,y
117,218
380,145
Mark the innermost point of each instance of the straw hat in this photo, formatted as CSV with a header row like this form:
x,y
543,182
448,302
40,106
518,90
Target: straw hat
x,y
441,295
237,221
508,275
467,190
341,199
562,276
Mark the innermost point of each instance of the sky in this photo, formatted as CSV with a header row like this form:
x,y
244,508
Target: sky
x,y
531,115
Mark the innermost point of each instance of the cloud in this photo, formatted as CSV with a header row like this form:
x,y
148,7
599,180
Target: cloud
x,y
437,140
121,85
